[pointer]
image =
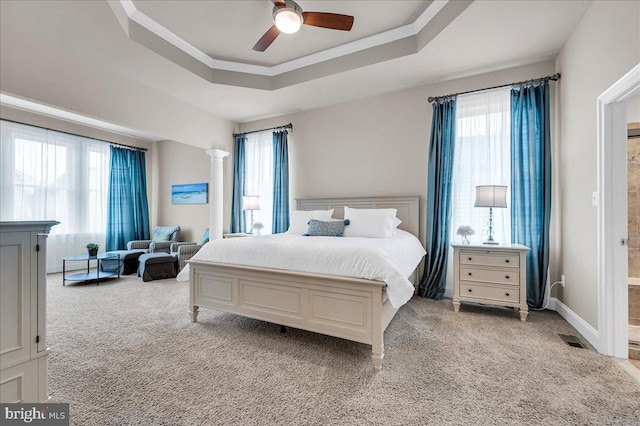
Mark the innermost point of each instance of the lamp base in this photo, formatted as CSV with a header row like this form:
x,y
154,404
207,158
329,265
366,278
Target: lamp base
x,y
493,243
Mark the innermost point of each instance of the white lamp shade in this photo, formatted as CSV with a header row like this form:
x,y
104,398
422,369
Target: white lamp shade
x,y
491,196
287,20
251,202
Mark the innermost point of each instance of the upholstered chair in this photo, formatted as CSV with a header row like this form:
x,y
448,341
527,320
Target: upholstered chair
x,y
183,251
163,237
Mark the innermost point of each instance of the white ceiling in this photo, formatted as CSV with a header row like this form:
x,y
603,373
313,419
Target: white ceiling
x,y
204,25
485,36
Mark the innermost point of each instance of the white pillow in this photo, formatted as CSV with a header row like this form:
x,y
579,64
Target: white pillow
x,y
373,223
396,223
299,223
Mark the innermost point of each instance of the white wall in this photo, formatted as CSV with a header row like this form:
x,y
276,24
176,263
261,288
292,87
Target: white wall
x,y
181,164
603,47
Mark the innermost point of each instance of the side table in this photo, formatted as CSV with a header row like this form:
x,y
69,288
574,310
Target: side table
x,y
96,275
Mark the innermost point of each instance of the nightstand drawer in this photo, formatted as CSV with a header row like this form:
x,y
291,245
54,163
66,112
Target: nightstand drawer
x,y
499,276
489,294
490,259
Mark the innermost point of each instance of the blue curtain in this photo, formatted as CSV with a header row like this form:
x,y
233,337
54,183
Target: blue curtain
x,y
127,207
238,220
280,221
531,182
441,151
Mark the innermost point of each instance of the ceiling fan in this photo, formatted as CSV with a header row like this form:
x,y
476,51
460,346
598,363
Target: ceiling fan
x,y
288,17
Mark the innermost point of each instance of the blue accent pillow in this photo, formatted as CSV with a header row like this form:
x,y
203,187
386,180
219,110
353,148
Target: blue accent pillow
x,y
318,228
161,237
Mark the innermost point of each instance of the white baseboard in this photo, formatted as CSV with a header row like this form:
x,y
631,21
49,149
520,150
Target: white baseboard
x,y
583,327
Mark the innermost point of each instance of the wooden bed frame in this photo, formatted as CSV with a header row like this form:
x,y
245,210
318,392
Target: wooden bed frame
x,y
350,308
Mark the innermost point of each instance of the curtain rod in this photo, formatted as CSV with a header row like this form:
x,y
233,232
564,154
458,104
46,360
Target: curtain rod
x,y
134,148
286,126
553,77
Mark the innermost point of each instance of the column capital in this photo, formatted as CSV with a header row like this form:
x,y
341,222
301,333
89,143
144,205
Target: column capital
x,y
217,153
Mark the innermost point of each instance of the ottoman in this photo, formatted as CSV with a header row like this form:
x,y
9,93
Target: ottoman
x,y
157,266
128,261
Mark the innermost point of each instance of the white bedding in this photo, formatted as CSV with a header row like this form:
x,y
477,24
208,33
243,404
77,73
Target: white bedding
x,y
391,260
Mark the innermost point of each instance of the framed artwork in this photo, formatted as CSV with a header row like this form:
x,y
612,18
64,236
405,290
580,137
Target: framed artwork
x,y
191,193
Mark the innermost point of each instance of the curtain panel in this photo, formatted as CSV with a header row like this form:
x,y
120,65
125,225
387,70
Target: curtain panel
x,y
531,182
439,182
280,220
482,157
45,174
258,179
127,206
238,221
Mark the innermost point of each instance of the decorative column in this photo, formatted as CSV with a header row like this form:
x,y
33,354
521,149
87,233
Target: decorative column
x,y
216,214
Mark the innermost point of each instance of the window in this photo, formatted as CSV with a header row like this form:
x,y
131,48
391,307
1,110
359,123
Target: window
x,y
259,177
52,175
482,157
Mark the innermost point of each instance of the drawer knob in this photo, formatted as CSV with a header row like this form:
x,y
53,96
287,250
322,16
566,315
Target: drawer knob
x,y
507,260
506,294
507,277
469,273
469,258
469,290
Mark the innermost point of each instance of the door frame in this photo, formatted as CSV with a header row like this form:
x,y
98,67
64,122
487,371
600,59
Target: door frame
x,y
613,333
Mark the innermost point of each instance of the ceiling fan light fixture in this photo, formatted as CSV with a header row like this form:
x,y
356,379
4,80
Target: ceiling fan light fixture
x,y
287,20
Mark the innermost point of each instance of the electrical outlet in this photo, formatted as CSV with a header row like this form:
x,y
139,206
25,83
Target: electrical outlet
x,y
563,282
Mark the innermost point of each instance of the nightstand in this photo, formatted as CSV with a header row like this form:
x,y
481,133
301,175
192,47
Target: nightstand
x,y
495,275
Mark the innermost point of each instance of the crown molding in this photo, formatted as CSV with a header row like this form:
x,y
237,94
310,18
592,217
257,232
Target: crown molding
x,y
402,41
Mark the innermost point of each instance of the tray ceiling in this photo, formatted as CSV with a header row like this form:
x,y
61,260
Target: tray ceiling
x,y
219,36
228,30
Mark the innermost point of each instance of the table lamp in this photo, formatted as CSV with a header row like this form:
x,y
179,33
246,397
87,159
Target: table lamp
x,y
491,196
251,203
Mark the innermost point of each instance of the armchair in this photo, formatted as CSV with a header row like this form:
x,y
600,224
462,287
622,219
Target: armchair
x,y
163,237
183,251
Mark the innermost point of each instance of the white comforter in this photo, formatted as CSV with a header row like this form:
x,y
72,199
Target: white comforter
x,y
391,260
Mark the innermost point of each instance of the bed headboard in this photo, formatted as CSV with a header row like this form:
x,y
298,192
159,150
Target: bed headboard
x,y
408,208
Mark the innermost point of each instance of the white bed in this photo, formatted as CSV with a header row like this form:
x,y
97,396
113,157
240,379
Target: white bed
x,y
356,309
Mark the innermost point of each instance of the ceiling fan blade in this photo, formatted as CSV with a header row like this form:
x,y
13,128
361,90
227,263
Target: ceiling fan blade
x,y
266,40
332,21
278,2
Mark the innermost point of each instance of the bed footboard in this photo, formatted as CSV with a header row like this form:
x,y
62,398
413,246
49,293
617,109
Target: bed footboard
x,y
349,308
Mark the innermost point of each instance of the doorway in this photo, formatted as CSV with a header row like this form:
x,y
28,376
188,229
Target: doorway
x,y
633,214
613,320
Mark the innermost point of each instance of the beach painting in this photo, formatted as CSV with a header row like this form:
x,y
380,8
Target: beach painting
x,y
191,193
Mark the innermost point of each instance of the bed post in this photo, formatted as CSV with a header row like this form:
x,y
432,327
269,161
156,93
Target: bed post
x,y
193,312
193,308
377,338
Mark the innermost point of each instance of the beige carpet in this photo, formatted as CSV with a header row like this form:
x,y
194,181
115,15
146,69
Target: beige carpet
x,y
124,352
